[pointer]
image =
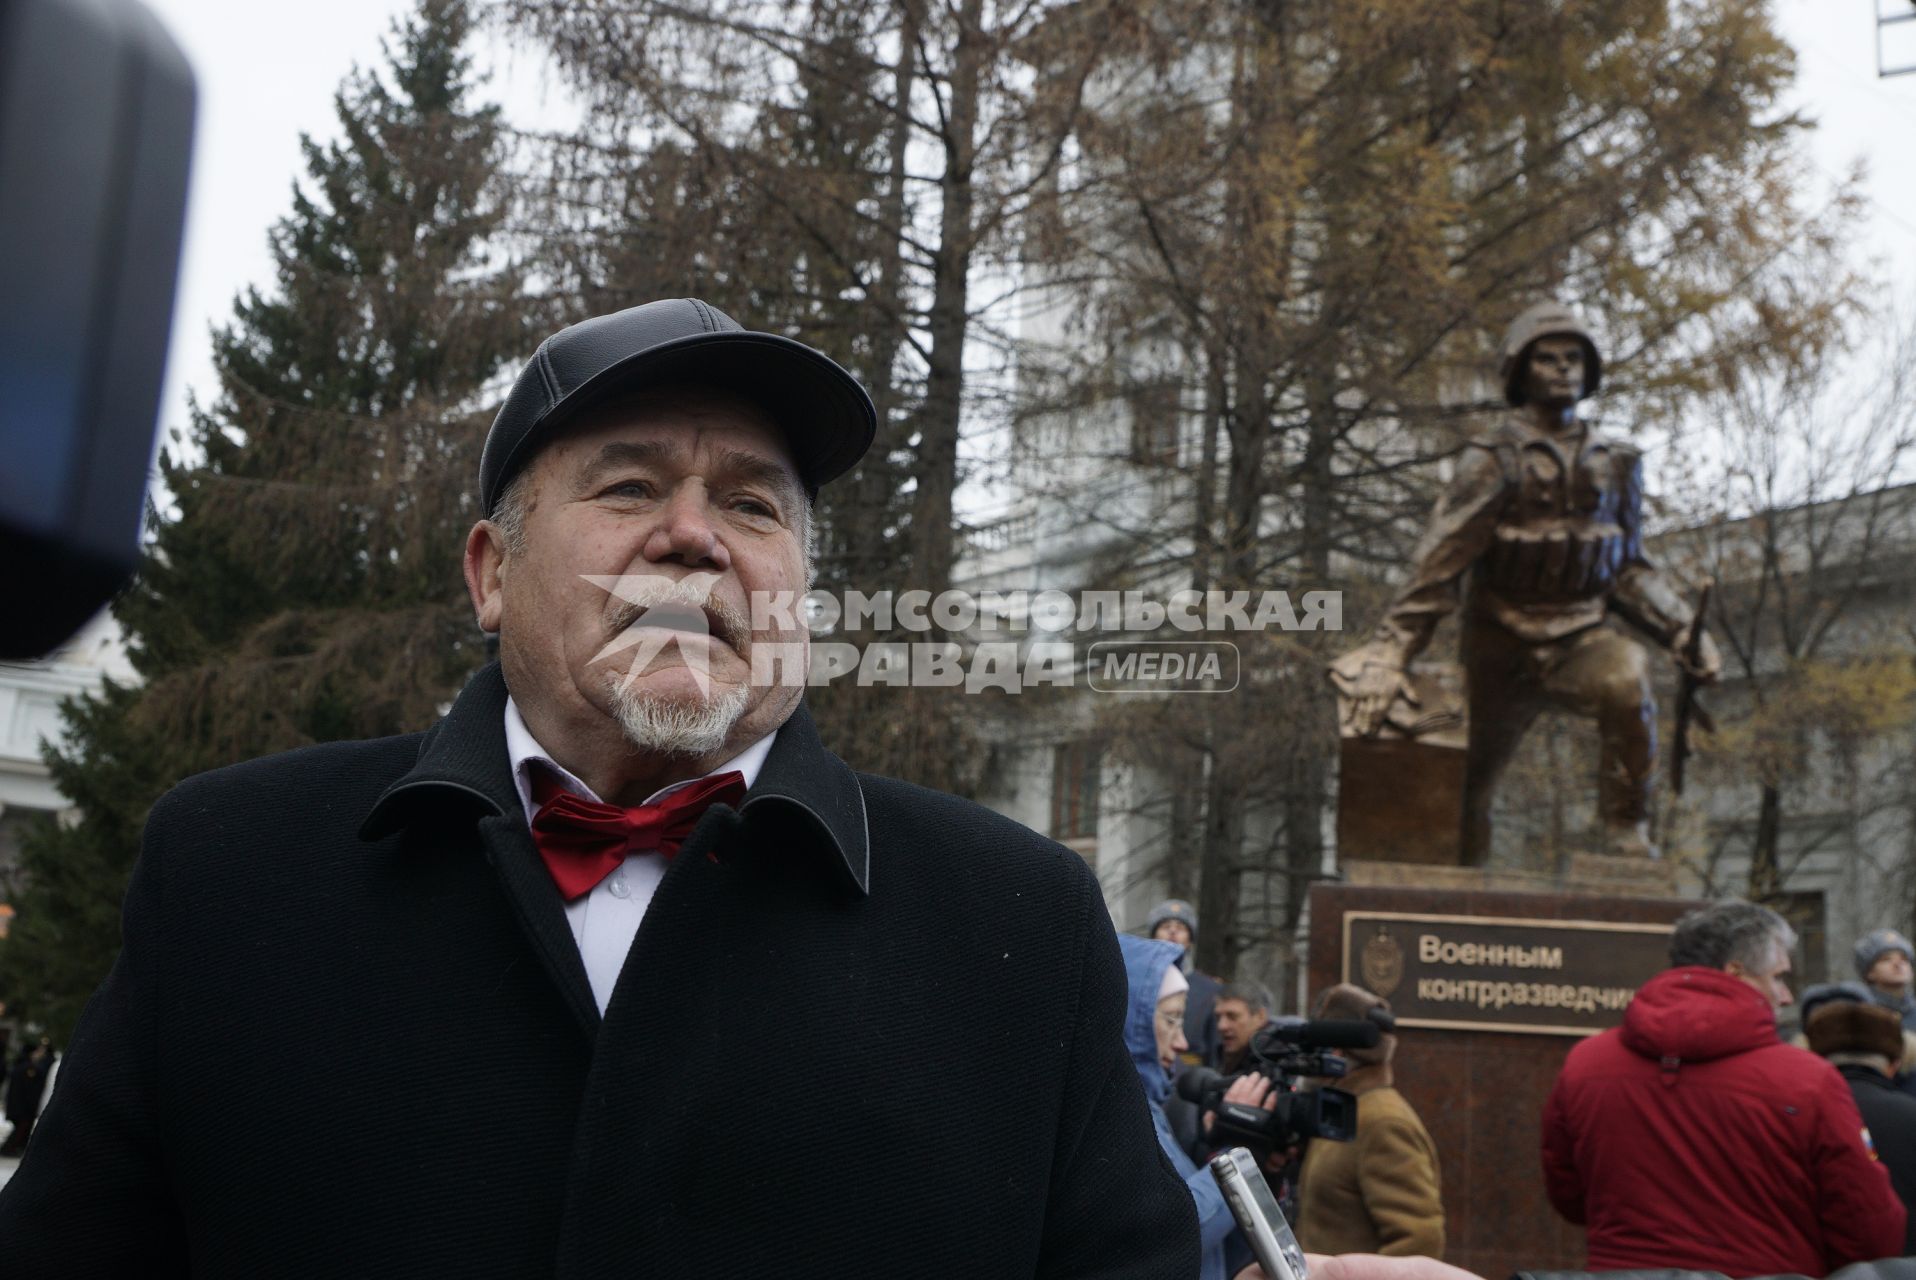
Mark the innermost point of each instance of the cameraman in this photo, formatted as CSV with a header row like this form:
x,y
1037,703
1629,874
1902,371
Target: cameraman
x,y
1243,1009
1154,1033
1379,1193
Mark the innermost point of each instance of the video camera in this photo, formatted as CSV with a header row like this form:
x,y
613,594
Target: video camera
x,y
1285,1052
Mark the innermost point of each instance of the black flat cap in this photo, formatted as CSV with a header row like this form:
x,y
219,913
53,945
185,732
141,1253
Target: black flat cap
x,y
827,418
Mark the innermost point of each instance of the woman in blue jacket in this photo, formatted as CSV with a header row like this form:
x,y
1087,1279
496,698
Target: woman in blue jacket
x,y
1154,1033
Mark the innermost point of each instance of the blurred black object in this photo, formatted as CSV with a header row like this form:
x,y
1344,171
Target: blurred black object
x,y
96,130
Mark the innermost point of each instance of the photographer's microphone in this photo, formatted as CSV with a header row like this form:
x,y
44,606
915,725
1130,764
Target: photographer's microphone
x,y
1326,1033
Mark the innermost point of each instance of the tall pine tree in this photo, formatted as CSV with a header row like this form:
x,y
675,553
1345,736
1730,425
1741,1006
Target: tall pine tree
x,y
307,588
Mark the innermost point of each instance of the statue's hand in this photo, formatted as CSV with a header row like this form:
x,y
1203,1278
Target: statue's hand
x,y
1370,681
1709,662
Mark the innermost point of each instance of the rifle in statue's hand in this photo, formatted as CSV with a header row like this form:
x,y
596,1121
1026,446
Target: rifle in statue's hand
x,y
1689,711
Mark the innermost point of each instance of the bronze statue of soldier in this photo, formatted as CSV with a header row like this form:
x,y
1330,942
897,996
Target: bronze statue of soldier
x,y
1544,516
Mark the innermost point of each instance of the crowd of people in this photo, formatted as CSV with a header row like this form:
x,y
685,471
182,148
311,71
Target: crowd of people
x,y
1695,1136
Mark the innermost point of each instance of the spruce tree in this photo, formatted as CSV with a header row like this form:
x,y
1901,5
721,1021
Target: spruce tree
x,y
305,586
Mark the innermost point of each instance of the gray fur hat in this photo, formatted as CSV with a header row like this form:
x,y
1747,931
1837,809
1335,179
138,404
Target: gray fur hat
x,y
1172,909
1871,947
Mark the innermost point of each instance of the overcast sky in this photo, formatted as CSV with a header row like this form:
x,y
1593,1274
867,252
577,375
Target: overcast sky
x,y
267,72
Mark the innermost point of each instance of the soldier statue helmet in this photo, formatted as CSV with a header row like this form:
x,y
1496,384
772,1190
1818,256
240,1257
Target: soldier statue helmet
x,y
1545,320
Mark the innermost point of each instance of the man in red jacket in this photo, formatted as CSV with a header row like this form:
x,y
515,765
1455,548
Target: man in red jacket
x,y
1692,1137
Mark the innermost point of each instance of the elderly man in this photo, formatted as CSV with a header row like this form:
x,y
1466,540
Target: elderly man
x,y
648,981
1691,1137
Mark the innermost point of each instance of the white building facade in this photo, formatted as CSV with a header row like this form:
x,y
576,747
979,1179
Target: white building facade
x,y
30,697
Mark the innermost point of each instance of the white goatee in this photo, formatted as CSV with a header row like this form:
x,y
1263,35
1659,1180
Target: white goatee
x,y
673,727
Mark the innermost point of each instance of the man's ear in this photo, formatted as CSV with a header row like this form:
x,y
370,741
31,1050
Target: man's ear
x,y
485,574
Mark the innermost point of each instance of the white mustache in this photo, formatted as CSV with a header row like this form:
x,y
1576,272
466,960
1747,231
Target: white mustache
x,y
639,595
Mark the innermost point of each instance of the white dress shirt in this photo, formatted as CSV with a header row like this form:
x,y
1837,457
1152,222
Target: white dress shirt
x,y
605,921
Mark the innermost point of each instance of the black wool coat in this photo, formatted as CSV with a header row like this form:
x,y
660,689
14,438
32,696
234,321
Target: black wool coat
x,y
878,1033
1890,1116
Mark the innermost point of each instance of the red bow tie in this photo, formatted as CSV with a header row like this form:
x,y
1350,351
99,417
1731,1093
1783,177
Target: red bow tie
x,y
583,841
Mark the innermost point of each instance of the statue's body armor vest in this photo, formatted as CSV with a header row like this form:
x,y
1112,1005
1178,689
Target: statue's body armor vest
x,y
1561,538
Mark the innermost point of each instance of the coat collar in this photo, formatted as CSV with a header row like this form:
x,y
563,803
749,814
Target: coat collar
x,y
1363,1077
806,789
802,790
1863,1073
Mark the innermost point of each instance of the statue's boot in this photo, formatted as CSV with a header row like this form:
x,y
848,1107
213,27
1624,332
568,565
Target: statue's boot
x,y
1628,839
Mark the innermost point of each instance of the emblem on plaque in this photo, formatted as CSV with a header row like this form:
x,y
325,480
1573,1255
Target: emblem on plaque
x,y
1382,963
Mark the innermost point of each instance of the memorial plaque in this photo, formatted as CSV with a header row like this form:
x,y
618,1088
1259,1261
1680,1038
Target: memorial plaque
x,y
1485,973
